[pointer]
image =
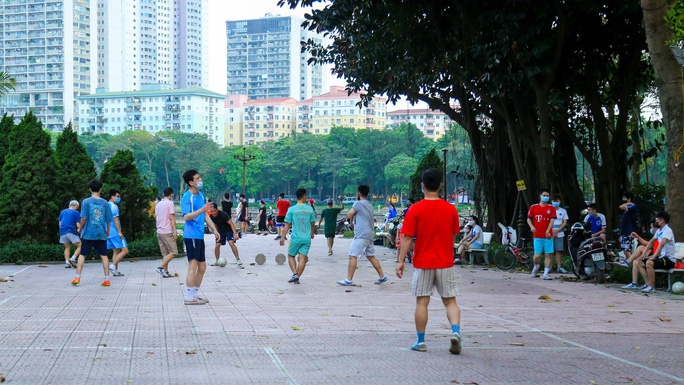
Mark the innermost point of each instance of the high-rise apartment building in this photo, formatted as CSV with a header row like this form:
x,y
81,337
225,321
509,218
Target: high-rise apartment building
x,y
152,42
264,59
432,123
47,47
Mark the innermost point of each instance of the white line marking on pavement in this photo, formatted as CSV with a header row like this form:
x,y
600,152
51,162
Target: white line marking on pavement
x,y
7,299
279,364
14,274
577,344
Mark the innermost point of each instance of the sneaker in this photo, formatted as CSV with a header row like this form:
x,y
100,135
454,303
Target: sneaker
x,y
547,278
346,282
642,287
419,347
623,263
379,281
160,271
203,300
455,344
76,281
73,262
534,272
167,274
631,286
277,238
116,273
240,265
67,266
562,270
296,281
330,253
194,301
647,289
294,277
106,282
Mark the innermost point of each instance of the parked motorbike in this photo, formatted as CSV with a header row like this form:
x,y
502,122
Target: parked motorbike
x,y
590,256
342,226
270,222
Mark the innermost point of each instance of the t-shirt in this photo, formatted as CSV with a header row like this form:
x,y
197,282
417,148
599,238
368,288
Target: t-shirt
x,y
433,223
301,216
68,219
629,219
330,220
597,222
363,220
113,232
221,220
163,213
97,213
391,213
541,216
194,228
282,206
476,232
561,215
262,214
668,250
243,209
227,207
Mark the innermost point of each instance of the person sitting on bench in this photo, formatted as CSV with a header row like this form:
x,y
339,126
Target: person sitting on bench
x,y
663,258
474,239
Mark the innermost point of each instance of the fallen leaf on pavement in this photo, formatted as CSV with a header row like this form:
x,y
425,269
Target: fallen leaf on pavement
x,y
42,265
357,316
611,305
626,311
190,352
154,284
518,344
665,319
296,328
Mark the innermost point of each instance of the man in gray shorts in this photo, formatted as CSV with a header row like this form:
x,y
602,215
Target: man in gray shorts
x,y
69,227
364,234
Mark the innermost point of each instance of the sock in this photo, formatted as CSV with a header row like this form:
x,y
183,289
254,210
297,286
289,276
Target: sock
x,y
188,294
536,267
195,292
546,271
78,276
421,337
73,256
106,277
456,328
111,267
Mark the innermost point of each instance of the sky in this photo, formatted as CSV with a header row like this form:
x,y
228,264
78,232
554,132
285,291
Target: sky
x,y
222,10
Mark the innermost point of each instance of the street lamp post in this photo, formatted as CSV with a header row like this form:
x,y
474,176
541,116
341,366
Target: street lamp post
x,y
444,175
244,159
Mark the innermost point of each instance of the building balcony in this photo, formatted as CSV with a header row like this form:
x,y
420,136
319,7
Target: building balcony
x,y
173,100
132,101
96,102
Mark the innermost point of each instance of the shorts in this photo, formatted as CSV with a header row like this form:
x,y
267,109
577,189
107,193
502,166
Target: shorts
x,y
225,237
298,248
69,238
242,218
100,246
662,263
116,243
361,248
559,244
543,246
167,243
194,248
444,280
280,221
329,235
475,245
626,242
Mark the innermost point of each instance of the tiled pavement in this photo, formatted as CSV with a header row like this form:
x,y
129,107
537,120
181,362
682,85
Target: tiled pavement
x,y
259,329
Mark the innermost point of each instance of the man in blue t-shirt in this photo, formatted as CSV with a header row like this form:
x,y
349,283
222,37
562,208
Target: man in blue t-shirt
x,y
597,221
302,219
95,219
195,212
628,223
68,233
116,240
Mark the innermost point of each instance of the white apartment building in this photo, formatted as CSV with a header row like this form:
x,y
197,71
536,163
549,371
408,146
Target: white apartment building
x,y
47,46
264,59
234,120
144,42
432,123
190,110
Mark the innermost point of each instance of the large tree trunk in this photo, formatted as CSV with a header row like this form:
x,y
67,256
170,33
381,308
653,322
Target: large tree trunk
x,y
669,80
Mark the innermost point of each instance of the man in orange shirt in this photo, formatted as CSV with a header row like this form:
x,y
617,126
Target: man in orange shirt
x,y
433,257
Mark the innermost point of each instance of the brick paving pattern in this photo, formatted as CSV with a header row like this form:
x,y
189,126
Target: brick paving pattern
x,y
259,329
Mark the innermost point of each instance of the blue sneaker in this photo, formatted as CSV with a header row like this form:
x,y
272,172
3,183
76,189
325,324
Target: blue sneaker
x,y
623,263
345,282
419,347
381,280
455,344
631,286
648,289
294,278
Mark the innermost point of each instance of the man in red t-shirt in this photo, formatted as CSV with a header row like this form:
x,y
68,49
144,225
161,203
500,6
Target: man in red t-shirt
x,y
282,205
434,223
540,218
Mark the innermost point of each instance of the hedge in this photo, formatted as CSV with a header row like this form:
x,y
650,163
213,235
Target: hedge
x,y
20,253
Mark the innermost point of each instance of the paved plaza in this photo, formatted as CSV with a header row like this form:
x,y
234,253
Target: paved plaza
x,y
259,329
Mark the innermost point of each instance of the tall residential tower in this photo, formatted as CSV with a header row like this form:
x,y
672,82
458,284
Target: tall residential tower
x,y
264,59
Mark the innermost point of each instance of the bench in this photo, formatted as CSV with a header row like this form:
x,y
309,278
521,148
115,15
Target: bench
x,y
386,238
484,251
671,273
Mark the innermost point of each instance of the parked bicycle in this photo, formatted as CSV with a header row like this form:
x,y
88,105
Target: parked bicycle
x,y
505,259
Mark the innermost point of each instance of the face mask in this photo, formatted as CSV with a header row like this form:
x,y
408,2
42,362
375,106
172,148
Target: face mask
x,y
199,185
422,190
624,200
118,200
544,199
650,231
556,204
470,223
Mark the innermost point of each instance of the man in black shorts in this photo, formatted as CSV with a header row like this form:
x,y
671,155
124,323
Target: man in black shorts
x,y
242,215
227,233
283,205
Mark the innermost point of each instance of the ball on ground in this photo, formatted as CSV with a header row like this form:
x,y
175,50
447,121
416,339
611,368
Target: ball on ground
x,y
260,259
678,287
221,262
280,259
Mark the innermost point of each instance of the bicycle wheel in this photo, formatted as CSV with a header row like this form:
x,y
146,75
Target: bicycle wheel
x,y
527,258
504,259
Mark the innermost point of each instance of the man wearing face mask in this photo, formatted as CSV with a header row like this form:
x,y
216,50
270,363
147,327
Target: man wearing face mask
x,y
558,234
116,240
540,219
628,224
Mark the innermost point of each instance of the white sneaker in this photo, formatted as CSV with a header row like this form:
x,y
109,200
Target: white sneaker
x,y
546,278
562,270
534,272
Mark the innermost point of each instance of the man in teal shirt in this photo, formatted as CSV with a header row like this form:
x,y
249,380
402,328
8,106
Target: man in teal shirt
x,y
302,220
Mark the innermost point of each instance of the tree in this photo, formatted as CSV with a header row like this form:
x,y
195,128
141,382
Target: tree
x,y
76,168
430,161
398,172
121,173
27,190
6,125
7,83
